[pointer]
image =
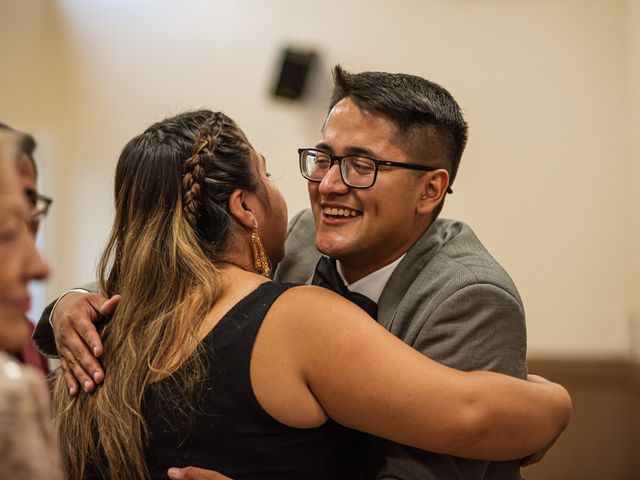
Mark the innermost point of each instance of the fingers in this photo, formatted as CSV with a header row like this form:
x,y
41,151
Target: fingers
x,y
77,339
104,307
87,377
109,306
100,308
78,311
72,384
532,459
86,330
193,473
538,456
536,379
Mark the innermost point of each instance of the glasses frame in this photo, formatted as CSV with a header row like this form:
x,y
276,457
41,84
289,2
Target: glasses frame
x,y
35,200
376,162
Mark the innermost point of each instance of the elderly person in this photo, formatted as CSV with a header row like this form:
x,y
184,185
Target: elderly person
x,y
26,441
38,208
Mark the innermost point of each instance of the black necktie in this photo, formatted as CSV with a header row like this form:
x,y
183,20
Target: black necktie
x,y
326,275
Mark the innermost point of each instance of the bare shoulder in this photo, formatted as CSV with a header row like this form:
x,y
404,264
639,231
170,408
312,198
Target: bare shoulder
x,y
318,304
309,314
311,293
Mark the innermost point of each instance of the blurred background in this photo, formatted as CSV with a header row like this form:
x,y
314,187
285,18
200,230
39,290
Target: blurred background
x,y
550,180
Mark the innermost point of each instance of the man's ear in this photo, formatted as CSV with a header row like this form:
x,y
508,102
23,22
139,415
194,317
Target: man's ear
x,y
434,187
239,208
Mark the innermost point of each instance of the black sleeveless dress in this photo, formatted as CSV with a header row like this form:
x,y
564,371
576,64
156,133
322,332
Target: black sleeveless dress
x,y
229,431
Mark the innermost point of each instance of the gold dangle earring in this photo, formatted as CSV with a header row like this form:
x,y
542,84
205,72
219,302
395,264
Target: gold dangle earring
x,y
260,259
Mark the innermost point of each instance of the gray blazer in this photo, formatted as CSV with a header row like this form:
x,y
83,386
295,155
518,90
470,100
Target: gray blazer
x,y
449,299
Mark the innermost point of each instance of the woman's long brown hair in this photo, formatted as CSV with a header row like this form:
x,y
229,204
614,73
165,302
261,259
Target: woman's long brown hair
x,y
172,185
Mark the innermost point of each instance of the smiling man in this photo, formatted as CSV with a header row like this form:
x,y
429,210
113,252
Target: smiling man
x,y
377,180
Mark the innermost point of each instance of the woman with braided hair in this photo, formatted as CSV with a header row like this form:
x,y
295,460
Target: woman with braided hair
x,y
209,363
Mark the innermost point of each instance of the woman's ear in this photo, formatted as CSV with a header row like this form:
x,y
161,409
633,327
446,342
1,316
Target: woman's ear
x,y
239,208
433,189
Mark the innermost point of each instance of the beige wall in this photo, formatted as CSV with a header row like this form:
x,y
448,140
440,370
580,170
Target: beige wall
x,y
633,137
550,179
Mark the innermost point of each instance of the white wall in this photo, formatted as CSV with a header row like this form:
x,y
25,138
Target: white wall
x,y
550,179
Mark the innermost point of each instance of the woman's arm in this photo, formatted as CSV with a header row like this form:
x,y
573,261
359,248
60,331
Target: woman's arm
x,y
365,378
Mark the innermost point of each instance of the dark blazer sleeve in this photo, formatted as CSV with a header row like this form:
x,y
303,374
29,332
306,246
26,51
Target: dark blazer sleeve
x,y
479,327
43,334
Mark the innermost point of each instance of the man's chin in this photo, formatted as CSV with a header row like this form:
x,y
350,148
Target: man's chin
x,y
332,249
337,240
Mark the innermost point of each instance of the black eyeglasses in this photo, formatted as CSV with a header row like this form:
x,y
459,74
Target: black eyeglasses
x,y
357,171
39,205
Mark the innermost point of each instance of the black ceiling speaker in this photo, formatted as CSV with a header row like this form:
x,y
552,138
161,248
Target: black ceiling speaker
x,y
294,73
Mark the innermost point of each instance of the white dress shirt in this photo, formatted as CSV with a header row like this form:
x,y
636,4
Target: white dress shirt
x,y
371,286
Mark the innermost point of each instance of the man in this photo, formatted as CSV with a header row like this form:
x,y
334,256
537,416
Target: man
x,y
436,287
389,151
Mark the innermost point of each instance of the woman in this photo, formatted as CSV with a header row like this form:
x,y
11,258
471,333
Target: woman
x,y
39,205
211,364
26,440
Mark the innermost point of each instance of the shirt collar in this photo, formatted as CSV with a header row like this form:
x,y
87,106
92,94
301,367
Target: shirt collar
x,y
371,286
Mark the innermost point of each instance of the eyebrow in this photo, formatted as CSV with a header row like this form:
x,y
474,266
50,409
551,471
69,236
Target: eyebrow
x,y
350,150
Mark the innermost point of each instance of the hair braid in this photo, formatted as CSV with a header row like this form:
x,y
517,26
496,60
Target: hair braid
x,y
193,172
192,180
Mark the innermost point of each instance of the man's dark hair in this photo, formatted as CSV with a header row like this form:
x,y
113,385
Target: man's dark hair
x,y
26,144
429,120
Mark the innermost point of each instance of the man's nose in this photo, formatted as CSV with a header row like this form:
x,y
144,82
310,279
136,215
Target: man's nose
x,y
332,182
